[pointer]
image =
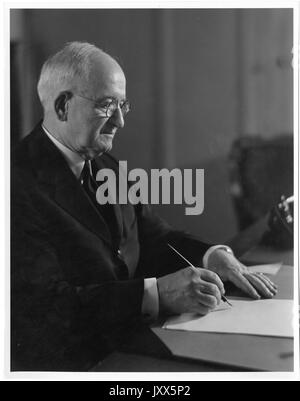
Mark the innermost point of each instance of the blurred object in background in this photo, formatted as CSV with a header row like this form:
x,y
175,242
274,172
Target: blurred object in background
x,y
281,224
273,232
261,171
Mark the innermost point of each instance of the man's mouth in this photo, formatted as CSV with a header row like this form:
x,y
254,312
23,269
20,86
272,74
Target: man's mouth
x,y
108,133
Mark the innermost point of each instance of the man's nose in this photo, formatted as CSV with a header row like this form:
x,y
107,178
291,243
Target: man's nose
x,y
117,118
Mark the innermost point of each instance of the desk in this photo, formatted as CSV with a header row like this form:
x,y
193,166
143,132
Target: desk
x,y
213,352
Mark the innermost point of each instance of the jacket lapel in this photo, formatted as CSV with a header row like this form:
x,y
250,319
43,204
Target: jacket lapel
x,y
55,176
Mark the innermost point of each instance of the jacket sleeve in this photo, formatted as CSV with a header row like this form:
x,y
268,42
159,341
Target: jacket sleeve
x,y
53,320
157,258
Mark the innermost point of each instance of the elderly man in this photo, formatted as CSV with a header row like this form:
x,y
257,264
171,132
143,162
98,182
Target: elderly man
x,y
83,273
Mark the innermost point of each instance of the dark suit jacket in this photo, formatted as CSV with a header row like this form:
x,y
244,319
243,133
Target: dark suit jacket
x,y
76,290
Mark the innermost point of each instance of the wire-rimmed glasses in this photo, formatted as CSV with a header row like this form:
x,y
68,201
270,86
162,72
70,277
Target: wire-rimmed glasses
x,y
109,106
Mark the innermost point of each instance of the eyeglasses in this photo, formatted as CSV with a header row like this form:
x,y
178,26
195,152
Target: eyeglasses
x,y
109,106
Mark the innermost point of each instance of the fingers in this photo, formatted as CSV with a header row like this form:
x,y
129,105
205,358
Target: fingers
x,y
261,285
204,287
208,289
209,301
213,278
241,282
254,284
268,282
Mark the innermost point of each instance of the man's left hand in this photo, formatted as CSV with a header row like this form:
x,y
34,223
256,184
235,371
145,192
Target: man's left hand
x,y
228,268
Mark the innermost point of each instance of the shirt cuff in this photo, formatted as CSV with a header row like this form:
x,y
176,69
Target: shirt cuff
x,y
150,306
211,250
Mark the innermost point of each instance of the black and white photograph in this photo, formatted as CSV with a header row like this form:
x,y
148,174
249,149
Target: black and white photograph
x,y
152,205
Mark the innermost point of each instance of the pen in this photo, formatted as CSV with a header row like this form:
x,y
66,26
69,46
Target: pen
x,y
224,299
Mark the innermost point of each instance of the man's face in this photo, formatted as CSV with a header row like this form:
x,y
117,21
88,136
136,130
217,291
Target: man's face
x,y
89,131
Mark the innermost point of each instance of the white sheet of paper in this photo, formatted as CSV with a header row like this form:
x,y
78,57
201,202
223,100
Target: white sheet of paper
x,y
268,317
271,269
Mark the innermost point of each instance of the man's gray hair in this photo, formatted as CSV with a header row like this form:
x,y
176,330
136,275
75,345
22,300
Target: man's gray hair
x,y
62,70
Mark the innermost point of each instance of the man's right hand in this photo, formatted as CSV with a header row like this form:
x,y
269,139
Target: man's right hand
x,y
189,291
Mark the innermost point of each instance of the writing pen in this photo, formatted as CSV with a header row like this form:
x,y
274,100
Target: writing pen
x,y
191,266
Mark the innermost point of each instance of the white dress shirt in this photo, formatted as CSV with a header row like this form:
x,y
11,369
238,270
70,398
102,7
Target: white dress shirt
x,y
150,305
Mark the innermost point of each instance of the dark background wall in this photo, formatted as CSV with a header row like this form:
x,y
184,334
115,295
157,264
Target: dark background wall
x,y
197,79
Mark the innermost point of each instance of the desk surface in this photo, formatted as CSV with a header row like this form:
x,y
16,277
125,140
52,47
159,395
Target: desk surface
x,y
213,352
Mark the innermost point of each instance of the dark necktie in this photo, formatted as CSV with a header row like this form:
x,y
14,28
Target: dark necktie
x,y
90,186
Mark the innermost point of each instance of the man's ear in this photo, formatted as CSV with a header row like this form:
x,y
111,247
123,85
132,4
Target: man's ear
x,y
61,105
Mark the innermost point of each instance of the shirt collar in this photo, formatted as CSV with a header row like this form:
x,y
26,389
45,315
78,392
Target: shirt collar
x,y
74,160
